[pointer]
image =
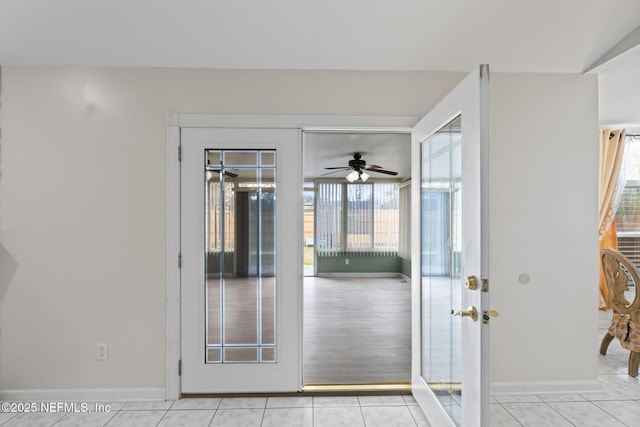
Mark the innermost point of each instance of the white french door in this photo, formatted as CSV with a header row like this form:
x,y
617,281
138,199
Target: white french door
x,y
450,299
240,229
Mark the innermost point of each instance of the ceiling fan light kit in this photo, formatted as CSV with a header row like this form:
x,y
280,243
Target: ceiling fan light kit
x,y
353,176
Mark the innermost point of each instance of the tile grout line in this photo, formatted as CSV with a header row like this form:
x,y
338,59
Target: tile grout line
x,y
558,412
512,415
611,415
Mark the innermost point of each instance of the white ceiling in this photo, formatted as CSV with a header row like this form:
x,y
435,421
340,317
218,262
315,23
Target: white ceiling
x,y
510,35
453,35
391,151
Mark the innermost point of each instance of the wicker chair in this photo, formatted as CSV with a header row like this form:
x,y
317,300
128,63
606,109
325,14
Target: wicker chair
x,y
625,323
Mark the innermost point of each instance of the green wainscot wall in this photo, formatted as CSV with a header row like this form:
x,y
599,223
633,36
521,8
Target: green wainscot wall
x,y
358,263
213,262
364,263
405,267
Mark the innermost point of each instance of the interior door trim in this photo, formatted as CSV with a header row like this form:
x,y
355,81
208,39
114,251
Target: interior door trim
x,y
174,123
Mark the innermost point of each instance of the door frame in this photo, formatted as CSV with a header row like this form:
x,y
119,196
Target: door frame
x,y
174,123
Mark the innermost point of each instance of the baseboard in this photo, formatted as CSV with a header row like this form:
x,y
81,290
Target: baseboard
x,y
405,278
86,394
397,275
546,387
604,319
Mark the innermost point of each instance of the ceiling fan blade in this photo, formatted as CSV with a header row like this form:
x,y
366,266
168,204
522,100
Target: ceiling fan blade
x,y
373,167
227,173
329,173
340,167
382,171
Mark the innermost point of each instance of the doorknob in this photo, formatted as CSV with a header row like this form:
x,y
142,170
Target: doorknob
x,y
470,312
471,283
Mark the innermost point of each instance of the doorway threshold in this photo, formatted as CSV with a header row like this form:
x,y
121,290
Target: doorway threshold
x,y
321,390
385,388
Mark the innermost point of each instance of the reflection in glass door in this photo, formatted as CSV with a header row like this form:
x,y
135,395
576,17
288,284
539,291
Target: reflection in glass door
x,y
240,212
309,208
441,262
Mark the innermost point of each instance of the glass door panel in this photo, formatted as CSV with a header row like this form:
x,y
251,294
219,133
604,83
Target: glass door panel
x,y
240,259
441,265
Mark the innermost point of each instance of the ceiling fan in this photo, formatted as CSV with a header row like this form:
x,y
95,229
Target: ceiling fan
x,y
358,168
227,173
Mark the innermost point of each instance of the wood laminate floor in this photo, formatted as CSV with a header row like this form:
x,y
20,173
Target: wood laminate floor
x,y
357,330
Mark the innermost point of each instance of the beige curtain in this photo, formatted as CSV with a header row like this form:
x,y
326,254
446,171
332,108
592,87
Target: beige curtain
x,y
611,153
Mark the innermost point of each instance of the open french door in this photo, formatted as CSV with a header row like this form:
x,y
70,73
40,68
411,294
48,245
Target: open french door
x,y
240,228
450,299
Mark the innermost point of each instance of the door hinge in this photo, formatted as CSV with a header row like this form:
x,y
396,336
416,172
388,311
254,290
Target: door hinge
x,y
179,368
179,153
179,260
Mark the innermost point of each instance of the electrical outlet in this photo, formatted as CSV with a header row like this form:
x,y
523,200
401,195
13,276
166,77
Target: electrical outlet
x,y
102,351
346,261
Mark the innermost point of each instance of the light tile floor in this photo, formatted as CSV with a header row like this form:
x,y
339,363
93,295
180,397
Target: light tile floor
x,y
303,411
617,405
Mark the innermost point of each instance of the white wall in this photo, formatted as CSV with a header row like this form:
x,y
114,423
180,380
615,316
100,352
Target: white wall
x,y
82,202
82,210
544,172
619,91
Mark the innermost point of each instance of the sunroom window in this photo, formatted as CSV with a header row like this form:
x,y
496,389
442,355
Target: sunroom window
x,y
357,217
628,212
